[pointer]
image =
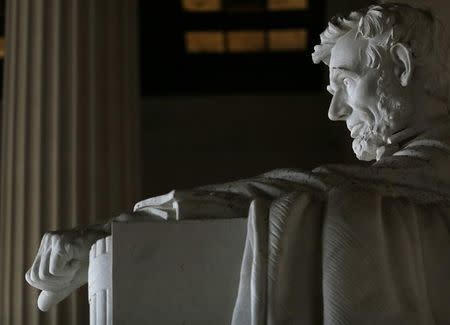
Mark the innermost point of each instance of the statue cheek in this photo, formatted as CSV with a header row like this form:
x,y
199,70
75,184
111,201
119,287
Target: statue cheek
x,y
358,96
366,92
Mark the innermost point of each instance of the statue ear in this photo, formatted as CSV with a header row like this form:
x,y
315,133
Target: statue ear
x,y
403,65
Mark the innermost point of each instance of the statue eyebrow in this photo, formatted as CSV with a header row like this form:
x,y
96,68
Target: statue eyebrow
x,y
346,71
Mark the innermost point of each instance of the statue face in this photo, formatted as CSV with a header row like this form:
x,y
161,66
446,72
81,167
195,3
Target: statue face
x,y
365,98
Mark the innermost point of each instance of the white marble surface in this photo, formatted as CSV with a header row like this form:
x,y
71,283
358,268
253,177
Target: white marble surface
x,y
100,282
183,272
349,244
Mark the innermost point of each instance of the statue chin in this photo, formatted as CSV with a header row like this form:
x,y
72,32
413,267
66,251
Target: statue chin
x,y
364,149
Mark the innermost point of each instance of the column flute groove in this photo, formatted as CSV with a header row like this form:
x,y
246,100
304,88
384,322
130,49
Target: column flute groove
x,y
9,155
69,135
35,132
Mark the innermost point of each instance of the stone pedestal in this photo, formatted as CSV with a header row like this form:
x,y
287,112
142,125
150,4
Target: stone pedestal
x,y
167,273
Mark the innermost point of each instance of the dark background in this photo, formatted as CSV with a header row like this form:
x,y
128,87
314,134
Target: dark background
x,y
218,119
213,118
166,68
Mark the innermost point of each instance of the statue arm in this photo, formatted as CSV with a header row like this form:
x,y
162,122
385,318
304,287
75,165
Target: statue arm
x,y
61,264
228,200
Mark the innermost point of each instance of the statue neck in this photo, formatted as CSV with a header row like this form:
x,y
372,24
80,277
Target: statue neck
x,y
430,119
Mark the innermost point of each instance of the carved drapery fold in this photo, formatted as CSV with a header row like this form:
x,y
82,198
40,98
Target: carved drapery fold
x,y
69,151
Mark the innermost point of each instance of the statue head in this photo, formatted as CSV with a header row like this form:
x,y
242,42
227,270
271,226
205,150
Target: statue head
x,y
389,72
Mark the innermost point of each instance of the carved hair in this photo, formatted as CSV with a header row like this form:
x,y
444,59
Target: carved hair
x,y
384,26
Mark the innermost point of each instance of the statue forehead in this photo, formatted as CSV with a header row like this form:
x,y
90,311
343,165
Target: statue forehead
x,y
348,52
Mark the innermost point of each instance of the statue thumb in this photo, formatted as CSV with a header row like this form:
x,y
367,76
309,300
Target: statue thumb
x,y
47,299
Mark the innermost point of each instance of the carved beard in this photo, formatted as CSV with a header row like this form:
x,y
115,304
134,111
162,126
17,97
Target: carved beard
x,y
390,110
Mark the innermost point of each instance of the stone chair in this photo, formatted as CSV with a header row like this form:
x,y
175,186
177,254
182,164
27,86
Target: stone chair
x,y
184,272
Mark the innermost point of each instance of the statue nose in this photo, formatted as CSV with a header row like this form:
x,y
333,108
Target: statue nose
x,y
339,110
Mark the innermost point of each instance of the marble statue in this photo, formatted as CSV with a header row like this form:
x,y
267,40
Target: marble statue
x,y
342,244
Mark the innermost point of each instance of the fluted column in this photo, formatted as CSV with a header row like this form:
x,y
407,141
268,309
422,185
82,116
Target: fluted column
x,y
69,151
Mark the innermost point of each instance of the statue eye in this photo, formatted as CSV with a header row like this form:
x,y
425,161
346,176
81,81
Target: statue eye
x,y
346,81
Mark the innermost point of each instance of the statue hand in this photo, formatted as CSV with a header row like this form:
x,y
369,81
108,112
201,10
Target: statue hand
x,y
61,265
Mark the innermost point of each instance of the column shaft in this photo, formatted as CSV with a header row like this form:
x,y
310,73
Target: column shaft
x,y
70,145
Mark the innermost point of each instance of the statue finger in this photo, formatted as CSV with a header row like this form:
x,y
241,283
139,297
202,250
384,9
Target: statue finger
x,y
49,298
44,273
56,276
29,279
44,243
32,277
66,270
34,270
36,284
58,258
